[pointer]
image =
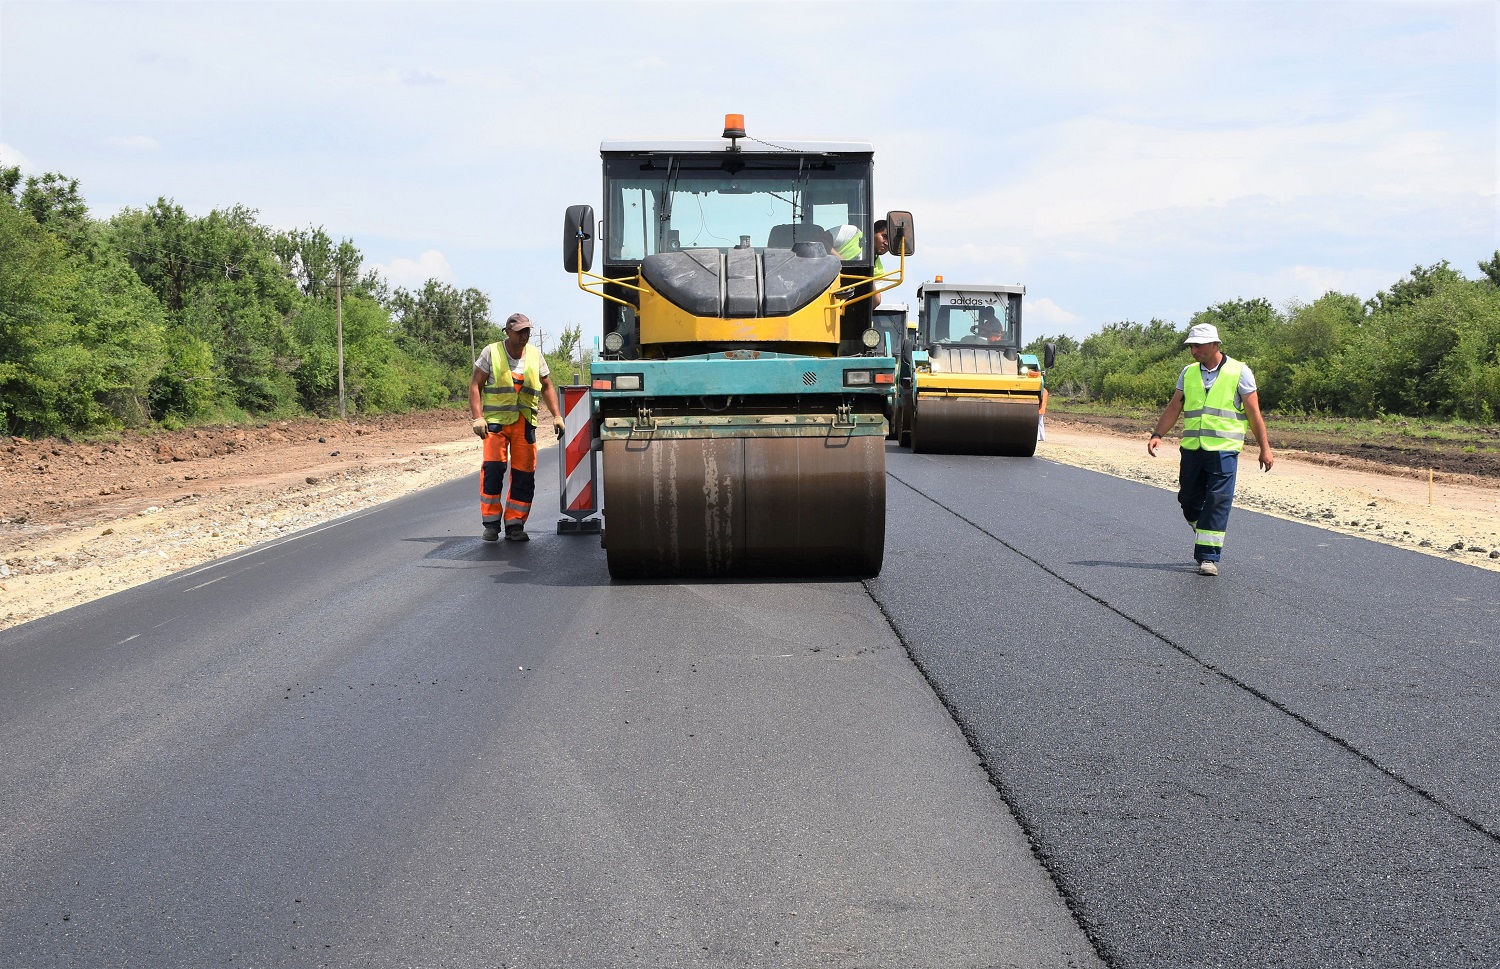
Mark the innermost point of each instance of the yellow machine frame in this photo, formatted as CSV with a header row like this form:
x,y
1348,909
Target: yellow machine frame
x,y
814,326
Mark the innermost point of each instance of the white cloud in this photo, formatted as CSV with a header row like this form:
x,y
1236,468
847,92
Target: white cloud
x,y
1305,283
1044,310
10,156
1099,177
133,143
410,273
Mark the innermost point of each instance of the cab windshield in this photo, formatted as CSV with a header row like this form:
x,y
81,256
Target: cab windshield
x,y
977,318
666,203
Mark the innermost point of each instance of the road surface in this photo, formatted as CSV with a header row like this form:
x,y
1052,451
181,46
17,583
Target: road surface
x,y
1037,739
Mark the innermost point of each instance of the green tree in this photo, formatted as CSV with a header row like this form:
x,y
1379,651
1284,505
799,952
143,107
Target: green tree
x,y
1294,365
84,335
1123,363
1491,268
10,178
1247,326
223,287
436,322
316,264
1422,282
34,376
565,362
1429,351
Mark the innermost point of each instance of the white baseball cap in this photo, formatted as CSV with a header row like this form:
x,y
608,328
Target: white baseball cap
x,y
1203,333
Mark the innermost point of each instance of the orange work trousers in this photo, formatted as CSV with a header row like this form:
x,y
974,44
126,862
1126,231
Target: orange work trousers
x,y
513,446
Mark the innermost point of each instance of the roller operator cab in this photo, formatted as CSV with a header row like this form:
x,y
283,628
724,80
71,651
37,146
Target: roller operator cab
x,y
741,400
965,385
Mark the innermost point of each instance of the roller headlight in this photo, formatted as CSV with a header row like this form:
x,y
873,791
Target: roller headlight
x,y
870,338
613,341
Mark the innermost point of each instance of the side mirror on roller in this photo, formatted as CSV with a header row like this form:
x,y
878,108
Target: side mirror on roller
x,y
578,238
1049,355
901,229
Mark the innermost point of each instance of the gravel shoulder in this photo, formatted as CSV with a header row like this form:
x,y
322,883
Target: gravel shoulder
x,y
80,520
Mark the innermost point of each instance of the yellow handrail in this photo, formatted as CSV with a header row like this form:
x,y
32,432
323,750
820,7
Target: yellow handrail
x,y
628,282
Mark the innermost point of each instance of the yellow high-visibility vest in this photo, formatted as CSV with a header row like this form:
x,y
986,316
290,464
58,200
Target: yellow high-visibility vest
x,y
1213,420
502,401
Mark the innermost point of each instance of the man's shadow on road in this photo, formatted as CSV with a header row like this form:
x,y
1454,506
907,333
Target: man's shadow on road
x,y
557,561
1155,566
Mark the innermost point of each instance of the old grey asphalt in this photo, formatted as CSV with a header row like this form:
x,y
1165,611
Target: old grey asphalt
x,y
384,743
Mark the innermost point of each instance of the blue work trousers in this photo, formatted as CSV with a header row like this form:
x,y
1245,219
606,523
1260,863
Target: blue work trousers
x,y
1206,490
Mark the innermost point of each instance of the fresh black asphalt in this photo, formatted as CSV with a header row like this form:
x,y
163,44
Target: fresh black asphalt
x,y
1296,763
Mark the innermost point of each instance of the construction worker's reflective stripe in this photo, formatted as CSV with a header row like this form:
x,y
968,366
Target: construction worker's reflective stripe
x,y
1214,412
1199,432
1210,539
1213,420
503,400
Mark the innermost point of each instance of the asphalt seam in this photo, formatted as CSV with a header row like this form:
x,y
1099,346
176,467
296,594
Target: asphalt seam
x,y
1223,674
1044,858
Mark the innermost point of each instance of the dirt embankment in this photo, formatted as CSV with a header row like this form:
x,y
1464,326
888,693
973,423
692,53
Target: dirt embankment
x,y
82,519
1473,461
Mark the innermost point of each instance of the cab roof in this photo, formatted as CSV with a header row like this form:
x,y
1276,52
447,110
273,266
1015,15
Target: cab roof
x,y
720,146
946,287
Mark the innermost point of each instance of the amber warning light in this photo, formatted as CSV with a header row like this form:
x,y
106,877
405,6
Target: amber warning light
x,y
734,126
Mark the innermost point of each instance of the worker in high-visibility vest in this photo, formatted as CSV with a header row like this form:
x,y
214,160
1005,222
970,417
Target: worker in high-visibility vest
x,y
849,243
882,243
1217,395
508,379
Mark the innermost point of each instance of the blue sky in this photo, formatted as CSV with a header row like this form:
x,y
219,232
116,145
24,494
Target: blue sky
x,y
1123,160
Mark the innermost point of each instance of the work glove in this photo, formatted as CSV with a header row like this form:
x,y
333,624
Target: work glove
x,y
557,426
479,431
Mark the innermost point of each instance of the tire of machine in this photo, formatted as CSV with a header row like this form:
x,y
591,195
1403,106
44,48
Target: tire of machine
x,y
769,506
966,425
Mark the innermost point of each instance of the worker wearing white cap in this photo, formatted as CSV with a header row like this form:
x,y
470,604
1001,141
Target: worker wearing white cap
x,y
509,377
1217,395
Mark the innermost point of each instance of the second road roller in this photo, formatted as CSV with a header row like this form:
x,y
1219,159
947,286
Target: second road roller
x,y
965,385
741,398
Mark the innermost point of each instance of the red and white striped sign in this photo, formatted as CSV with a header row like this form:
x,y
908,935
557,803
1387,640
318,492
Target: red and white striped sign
x,y
577,493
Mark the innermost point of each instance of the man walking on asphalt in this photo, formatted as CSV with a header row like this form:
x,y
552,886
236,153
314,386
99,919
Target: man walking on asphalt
x,y
1216,394
509,376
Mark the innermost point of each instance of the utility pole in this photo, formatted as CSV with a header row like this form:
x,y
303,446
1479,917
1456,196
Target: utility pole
x,y
339,288
469,316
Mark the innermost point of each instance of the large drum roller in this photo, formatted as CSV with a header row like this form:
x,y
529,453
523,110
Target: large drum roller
x,y
975,425
745,506
742,395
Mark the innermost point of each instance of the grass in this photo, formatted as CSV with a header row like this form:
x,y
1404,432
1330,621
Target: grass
x,y
1470,437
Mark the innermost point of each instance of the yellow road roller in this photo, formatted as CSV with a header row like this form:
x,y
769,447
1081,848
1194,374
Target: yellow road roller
x,y
741,397
965,387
